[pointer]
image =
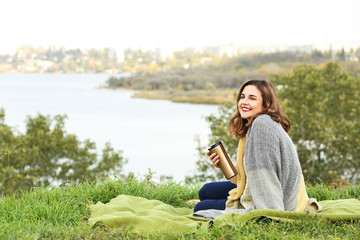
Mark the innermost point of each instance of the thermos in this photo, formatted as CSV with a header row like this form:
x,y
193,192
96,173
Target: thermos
x,y
225,164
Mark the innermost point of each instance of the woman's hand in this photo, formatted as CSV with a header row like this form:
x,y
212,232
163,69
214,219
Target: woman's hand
x,y
214,158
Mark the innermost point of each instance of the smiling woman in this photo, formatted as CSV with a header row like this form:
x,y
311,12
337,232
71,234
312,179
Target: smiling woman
x,y
256,97
270,175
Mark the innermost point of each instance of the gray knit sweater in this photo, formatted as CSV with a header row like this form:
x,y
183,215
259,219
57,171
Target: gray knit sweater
x,y
272,167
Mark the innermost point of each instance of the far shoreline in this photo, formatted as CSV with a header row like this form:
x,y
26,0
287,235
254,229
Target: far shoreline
x,y
206,97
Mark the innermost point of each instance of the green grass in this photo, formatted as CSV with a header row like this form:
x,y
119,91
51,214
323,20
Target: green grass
x,y
58,213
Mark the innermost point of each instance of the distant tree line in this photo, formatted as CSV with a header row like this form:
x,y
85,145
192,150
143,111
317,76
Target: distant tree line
x,y
183,79
227,72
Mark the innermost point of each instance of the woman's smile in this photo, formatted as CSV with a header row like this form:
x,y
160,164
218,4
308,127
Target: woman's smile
x,y
245,109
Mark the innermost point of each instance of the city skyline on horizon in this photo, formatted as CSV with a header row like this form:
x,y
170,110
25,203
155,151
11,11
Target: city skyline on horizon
x,y
240,47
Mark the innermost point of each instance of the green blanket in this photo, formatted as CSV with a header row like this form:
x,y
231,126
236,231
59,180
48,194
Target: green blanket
x,y
152,216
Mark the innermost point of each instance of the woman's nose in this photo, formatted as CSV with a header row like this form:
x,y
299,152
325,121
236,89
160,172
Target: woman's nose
x,y
243,101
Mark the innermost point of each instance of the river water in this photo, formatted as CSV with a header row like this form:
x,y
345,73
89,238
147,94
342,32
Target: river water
x,y
153,134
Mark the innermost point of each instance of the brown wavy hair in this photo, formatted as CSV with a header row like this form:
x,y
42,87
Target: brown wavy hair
x,y
239,126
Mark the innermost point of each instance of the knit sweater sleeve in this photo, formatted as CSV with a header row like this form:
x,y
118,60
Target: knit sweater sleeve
x,y
263,164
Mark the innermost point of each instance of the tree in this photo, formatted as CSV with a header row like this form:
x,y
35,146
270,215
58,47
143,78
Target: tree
x,y
47,155
323,107
341,54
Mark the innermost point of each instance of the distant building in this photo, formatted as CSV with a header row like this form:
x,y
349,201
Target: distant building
x,y
112,54
43,64
229,49
120,55
164,53
157,54
300,48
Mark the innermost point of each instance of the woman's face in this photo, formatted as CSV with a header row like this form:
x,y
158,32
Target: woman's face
x,y
250,102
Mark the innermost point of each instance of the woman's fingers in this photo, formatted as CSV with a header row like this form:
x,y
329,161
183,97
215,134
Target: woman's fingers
x,y
215,163
214,158
213,155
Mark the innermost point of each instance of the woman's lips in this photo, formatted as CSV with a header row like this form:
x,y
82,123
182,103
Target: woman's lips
x,y
245,109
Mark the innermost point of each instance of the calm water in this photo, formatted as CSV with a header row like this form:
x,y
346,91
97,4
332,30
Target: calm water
x,y
152,134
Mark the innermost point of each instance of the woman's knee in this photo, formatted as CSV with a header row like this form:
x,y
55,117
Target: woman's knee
x,y
203,192
216,190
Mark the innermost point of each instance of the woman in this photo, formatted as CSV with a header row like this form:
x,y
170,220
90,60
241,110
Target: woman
x,y
269,170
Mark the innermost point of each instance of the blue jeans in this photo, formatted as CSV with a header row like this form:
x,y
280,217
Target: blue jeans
x,y
214,195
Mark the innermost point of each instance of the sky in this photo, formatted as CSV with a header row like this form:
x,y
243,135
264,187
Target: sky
x,y
176,24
